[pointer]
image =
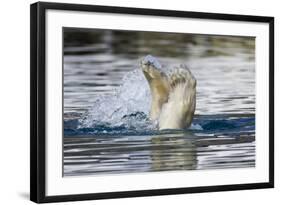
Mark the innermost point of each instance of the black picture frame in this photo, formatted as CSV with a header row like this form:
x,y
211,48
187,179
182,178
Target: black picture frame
x,y
38,101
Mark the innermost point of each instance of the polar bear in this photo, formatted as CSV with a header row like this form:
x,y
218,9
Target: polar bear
x,y
173,95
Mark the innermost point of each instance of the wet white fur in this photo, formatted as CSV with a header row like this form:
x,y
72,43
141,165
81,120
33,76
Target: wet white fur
x,y
173,95
179,110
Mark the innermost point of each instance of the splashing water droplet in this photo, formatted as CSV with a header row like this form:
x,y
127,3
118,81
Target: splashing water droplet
x,y
128,106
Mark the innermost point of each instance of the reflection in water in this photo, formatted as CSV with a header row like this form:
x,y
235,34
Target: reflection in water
x,y
175,152
131,153
95,62
85,155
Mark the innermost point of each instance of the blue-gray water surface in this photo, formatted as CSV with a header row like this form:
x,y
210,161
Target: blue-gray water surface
x,y
107,99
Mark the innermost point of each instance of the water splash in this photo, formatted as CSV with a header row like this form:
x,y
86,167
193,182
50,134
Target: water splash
x,y
128,106
149,59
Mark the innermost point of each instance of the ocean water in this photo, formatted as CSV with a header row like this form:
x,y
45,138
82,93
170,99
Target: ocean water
x,y
107,100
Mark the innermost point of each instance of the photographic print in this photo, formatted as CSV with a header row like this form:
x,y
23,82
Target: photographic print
x,y
131,102
142,101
